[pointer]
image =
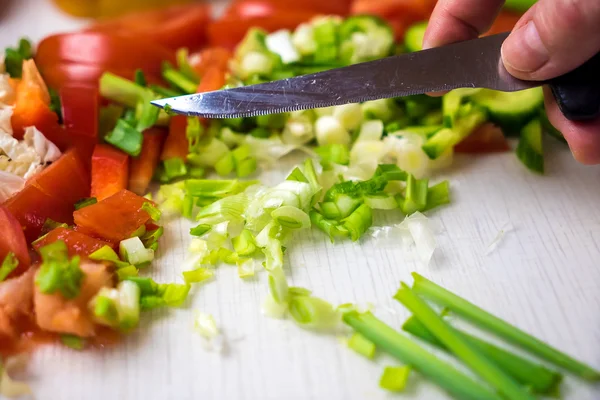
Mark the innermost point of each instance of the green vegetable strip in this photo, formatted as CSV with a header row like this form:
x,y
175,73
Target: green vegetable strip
x,y
200,230
485,320
334,153
85,202
394,379
538,378
165,92
9,264
331,228
438,195
362,345
415,197
13,58
409,352
359,221
57,273
179,80
126,138
461,349
174,167
197,275
121,90
72,341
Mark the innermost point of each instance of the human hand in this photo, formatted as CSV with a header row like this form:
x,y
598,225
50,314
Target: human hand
x,y
551,39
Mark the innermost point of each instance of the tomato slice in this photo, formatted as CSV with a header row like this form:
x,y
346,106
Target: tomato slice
x,y
212,57
488,138
114,218
262,8
173,27
176,144
13,241
108,52
77,243
142,168
110,171
80,110
229,31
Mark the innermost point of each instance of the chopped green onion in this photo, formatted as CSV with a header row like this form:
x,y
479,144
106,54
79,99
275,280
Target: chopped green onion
x,y
216,188
55,104
198,275
125,137
358,222
165,92
123,273
244,244
9,264
174,168
381,201
179,80
85,202
146,113
122,91
485,320
540,379
139,78
334,153
362,345
330,227
193,133
438,195
291,217
312,313
278,285
183,63
227,209
152,211
260,132
134,252
72,341
329,130
394,379
245,268
200,230
50,224
415,197
409,352
154,295
106,253
109,115
474,359
13,58
57,273
118,308
150,238
391,172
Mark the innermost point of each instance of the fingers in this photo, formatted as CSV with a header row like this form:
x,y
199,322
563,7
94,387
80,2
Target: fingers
x,y
553,38
457,20
583,137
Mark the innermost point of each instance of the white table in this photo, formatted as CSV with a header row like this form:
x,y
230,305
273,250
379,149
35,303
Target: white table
x,y
544,277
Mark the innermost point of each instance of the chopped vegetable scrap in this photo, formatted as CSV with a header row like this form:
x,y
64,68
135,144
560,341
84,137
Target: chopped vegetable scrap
x,y
81,145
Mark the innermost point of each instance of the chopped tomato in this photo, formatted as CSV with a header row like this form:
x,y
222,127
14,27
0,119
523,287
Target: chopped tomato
x,y
210,58
176,144
173,27
262,8
504,22
77,243
32,108
12,240
98,51
213,79
142,168
488,138
110,171
114,218
80,110
229,31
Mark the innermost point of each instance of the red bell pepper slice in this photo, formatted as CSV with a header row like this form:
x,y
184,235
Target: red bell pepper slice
x,y
210,58
12,240
78,244
213,79
110,171
142,168
80,110
176,144
488,138
114,218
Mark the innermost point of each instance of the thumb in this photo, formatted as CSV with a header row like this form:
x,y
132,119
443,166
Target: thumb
x,y
553,38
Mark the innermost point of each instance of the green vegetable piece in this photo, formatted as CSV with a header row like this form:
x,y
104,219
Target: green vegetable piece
x,y
225,165
122,91
125,137
413,38
57,273
310,312
540,379
362,345
123,273
244,244
469,355
415,197
139,78
73,342
332,228
108,118
519,6
530,150
438,195
106,253
409,352
165,92
179,80
198,275
200,230
334,153
260,132
55,103
13,58
184,66
365,38
9,264
85,202
152,211
493,324
272,121
394,379
358,222
174,168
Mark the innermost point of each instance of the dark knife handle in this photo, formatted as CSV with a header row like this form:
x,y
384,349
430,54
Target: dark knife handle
x,y
578,92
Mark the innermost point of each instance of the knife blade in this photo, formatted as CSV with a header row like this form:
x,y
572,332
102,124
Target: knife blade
x,y
474,64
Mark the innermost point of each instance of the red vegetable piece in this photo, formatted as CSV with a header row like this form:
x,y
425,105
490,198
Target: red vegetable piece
x,y
12,240
142,168
80,110
114,218
488,138
176,144
77,243
110,171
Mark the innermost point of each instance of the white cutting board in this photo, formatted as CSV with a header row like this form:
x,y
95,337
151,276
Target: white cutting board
x,y
544,277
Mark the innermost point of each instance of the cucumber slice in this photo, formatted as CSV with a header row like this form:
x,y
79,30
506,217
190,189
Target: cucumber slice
x,y
452,101
530,149
425,131
413,38
510,110
447,138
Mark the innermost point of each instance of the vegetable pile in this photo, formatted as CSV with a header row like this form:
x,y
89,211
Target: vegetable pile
x,y
80,145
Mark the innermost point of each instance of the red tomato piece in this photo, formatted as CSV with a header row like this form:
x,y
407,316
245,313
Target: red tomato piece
x,y
210,58
114,218
142,168
213,79
488,138
72,74
173,27
262,8
13,241
80,110
228,32
176,144
108,52
77,243
110,171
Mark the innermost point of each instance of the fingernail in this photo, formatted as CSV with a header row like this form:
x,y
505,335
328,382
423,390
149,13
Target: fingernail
x,y
524,50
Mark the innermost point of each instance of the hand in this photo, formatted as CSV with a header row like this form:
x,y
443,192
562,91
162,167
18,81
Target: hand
x,y
552,38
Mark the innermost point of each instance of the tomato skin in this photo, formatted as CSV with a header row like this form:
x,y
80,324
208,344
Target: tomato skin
x,y
110,171
176,144
80,110
142,168
172,27
114,218
488,138
228,32
77,243
68,54
13,241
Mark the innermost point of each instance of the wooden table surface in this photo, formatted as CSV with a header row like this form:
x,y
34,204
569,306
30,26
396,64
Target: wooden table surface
x,y
543,277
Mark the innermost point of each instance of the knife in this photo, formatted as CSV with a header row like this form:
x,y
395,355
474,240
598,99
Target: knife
x,y
470,64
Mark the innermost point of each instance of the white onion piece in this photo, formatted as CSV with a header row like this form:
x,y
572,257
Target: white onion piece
x,y
507,227
423,234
